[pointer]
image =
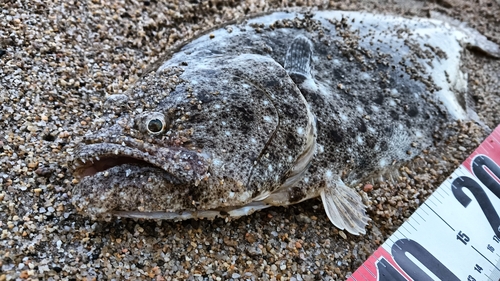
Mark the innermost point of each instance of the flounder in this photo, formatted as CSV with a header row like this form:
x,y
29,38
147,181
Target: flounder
x,y
272,111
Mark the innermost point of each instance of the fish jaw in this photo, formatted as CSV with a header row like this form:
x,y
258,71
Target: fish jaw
x,y
148,192
142,191
187,165
139,180
233,212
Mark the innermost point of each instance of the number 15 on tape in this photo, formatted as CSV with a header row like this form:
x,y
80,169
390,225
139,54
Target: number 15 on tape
x,y
455,234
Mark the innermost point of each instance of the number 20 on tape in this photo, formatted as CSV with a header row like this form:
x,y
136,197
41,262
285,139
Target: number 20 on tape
x,y
455,234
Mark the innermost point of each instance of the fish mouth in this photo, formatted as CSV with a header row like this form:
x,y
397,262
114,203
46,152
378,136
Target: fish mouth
x,y
96,158
103,163
120,181
113,177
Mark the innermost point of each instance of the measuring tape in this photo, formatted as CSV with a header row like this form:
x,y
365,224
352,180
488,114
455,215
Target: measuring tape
x,y
455,234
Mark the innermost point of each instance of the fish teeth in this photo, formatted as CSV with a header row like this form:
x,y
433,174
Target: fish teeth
x,y
97,158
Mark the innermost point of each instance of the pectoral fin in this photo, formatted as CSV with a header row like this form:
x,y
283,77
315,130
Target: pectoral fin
x,y
298,59
344,207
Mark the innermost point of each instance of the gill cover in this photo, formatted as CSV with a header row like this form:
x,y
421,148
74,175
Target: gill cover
x,y
248,115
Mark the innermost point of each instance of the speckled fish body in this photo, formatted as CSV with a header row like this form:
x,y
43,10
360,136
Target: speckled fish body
x,y
273,111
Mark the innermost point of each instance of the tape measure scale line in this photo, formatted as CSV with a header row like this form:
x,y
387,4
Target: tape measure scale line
x,y
425,203
403,227
418,214
368,270
409,223
454,234
486,258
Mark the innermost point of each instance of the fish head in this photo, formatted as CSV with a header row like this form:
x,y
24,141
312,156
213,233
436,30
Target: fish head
x,y
196,138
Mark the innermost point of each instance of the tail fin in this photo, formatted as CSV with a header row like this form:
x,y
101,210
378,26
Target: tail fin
x,y
473,38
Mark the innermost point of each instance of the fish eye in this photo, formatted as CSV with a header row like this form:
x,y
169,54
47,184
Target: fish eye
x,y
151,123
155,125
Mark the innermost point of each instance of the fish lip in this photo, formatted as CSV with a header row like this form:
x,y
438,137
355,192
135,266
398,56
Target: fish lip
x,y
181,163
99,157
